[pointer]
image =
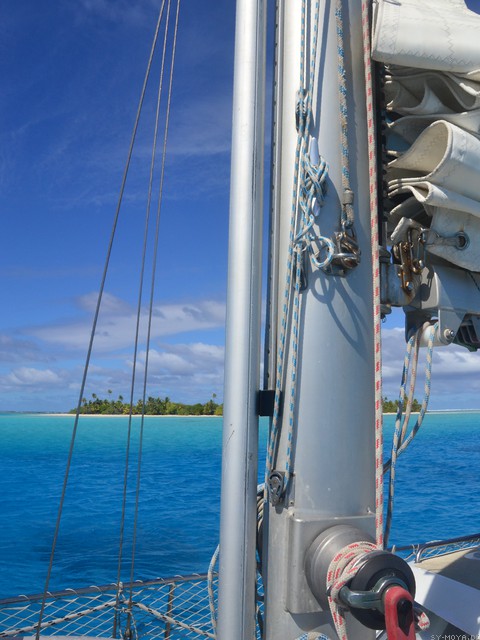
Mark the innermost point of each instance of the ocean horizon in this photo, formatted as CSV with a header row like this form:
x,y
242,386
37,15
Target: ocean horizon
x,y
178,518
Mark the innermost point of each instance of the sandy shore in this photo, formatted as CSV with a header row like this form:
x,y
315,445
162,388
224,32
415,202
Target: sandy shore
x,y
119,415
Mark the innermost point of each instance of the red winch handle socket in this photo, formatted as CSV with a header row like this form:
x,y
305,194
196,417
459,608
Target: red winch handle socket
x,y
399,617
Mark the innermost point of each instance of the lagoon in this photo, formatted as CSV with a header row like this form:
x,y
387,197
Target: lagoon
x,y
438,494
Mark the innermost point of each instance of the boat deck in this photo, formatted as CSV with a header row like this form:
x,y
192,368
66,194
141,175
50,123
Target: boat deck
x,y
449,586
461,566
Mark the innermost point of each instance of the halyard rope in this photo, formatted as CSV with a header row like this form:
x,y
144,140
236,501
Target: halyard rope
x,y
293,271
400,438
347,208
377,346
345,564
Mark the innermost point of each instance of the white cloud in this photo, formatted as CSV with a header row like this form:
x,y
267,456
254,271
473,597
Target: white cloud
x,y
134,14
201,128
455,372
188,372
110,303
29,376
117,323
185,359
13,349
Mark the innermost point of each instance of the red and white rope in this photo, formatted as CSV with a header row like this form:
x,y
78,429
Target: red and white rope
x,y
342,569
372,171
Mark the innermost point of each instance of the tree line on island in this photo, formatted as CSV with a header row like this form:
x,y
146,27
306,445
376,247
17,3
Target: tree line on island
x,y
391,406
153,407
165,407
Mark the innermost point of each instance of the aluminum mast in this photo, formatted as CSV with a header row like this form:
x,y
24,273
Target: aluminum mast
x,y
334,463
237,569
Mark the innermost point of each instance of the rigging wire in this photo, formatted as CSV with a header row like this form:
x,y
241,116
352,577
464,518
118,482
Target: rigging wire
x,y
152,292
94,325
138,317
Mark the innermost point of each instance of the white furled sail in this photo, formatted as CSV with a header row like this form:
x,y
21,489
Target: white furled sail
x,y
432,34
432,91
444,155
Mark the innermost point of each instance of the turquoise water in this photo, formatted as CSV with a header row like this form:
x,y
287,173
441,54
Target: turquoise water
x,y
438,494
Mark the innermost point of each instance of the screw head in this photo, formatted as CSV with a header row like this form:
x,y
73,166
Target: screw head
x,y
449,334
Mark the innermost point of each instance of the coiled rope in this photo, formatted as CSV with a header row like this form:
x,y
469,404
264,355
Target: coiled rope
x,y
342,569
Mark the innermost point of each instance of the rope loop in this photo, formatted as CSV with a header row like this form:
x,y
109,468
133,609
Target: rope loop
x,y
315,179
323,252
312,193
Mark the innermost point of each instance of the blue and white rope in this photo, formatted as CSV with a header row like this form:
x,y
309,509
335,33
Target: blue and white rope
x,y
313,188
400,439
297,243
347,208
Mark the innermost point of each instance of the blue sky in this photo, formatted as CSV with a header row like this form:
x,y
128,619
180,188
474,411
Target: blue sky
x,y
72,74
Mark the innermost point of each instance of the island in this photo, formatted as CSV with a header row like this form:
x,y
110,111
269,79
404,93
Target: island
x,y
153,407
